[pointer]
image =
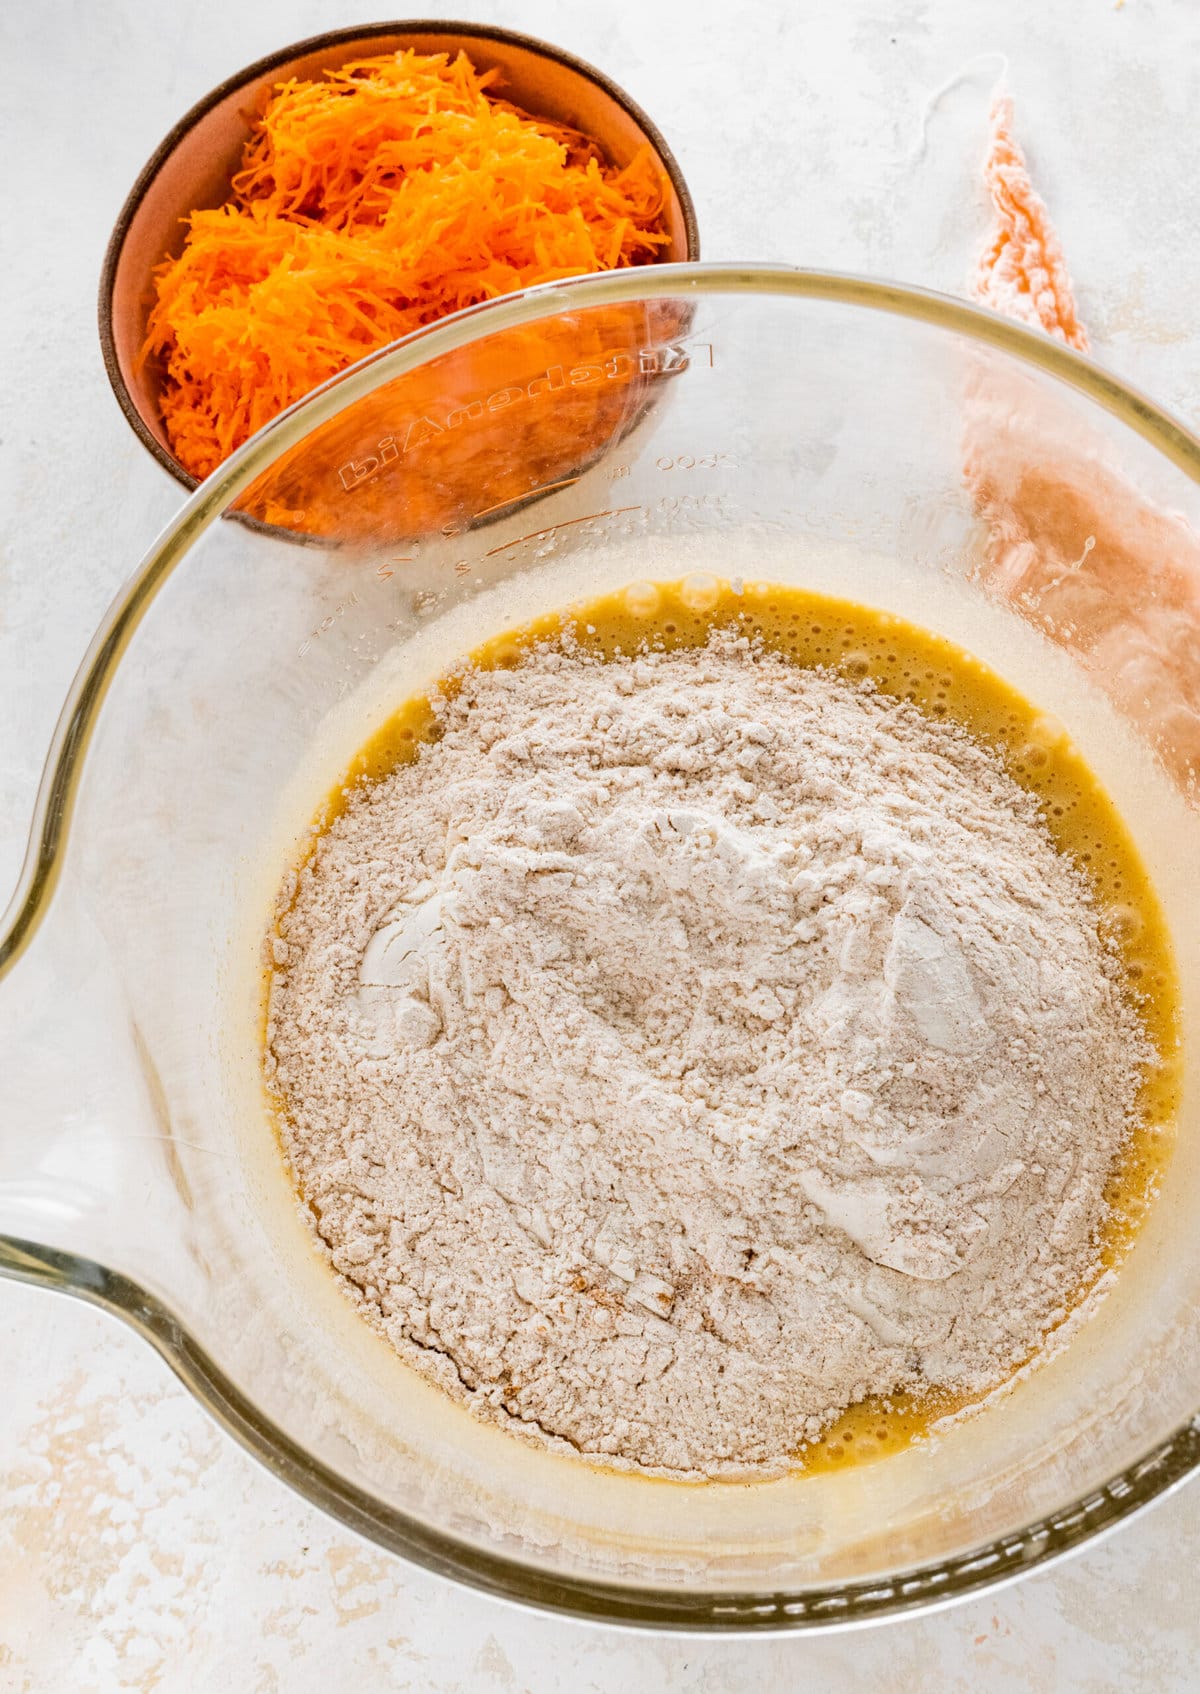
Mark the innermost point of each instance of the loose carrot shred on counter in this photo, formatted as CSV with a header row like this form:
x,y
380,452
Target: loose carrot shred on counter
x,y
1021,271
388,194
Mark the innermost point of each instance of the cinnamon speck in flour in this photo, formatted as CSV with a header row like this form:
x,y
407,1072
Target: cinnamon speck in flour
x,y
686,1046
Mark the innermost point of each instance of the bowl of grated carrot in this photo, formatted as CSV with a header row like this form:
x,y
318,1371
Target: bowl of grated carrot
x,y
343,192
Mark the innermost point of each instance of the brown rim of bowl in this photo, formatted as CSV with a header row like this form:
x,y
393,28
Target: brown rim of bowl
x,y
260,67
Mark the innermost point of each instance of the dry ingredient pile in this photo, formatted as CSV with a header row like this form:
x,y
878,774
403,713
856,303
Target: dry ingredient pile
x,y
686,1046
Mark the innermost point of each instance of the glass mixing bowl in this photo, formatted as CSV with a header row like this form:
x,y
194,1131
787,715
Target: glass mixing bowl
x,y
876,441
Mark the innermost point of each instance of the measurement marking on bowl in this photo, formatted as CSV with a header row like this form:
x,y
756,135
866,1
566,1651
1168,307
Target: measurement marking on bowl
x,y
714,461
567,523
327,622
386,571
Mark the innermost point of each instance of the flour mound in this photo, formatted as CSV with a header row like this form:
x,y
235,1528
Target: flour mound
x,y
687,1046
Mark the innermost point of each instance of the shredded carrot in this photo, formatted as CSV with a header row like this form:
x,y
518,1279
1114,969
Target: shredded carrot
x,y
386,195
1021,271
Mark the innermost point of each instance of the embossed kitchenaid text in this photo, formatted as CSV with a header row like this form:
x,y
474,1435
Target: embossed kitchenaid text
x,y
619,366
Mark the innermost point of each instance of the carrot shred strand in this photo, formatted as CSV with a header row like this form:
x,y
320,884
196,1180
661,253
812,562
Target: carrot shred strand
x,y
1021,270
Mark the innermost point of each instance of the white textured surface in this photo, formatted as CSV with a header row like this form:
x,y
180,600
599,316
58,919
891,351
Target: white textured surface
x,y
138,1548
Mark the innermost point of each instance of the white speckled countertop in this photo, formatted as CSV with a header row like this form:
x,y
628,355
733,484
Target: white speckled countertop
x,y
139,1549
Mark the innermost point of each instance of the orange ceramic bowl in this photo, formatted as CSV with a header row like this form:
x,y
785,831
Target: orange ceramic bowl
x,y
193,166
